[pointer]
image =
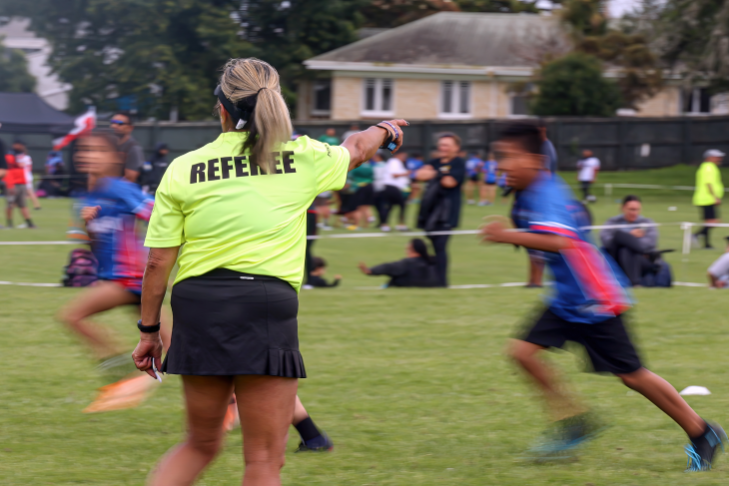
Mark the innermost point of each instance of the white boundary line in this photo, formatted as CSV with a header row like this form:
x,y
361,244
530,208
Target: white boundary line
x,y
452,287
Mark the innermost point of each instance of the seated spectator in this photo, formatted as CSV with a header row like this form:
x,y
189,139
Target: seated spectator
x,y
316,276
417,270
634,249
719,270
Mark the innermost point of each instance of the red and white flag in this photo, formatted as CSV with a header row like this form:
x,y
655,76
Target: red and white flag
x,y
83,124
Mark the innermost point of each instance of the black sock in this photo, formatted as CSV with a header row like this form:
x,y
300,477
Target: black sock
x,y
307,429
706,236
697,440
29,222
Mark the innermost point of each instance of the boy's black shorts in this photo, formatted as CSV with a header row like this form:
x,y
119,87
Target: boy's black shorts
x,y
607,343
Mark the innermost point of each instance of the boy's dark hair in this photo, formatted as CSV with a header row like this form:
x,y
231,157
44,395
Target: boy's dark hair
x,y
525,133
318,262
452,135
630,198
126,114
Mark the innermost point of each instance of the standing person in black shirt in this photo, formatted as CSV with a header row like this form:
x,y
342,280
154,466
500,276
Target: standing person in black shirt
x,y
154,169
440,209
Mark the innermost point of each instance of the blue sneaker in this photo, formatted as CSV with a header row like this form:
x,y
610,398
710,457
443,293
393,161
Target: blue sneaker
x,y
701,452
319,444
560,441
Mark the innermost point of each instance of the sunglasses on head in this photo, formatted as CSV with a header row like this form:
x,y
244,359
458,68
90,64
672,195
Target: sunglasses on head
x,y
118,122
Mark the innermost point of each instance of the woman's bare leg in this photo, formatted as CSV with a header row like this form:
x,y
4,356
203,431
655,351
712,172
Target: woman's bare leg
x,y
266,406
102,297
33,197
206,399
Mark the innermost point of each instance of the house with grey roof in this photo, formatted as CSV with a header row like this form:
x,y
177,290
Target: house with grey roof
x,y
448,66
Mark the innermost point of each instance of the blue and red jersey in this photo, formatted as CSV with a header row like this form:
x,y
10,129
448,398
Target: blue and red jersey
x,y
589,286
114,238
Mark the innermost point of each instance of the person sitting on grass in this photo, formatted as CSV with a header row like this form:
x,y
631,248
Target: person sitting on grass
x,y
633,248
417,270
719,271
316,275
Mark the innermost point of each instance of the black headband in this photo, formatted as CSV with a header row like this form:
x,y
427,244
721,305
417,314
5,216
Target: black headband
x,y
241,111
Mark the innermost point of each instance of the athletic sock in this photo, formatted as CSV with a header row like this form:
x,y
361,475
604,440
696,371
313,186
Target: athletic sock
x,y
701,440
9,223
307,430
706,237
29,222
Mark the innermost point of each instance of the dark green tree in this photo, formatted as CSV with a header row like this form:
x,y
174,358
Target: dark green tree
x,y
640,74
574,85
157,54
692,36
14,75
287,33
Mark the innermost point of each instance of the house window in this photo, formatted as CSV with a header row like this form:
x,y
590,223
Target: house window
x,y
697,100
519,106
455,99
322,97
378,97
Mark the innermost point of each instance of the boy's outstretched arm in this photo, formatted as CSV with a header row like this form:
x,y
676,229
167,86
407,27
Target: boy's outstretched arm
x,y
497,232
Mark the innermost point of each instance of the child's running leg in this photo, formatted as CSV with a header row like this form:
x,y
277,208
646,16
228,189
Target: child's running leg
x,y
560,404
665,397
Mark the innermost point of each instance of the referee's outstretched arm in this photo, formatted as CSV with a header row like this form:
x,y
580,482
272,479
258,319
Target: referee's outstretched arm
x,y
362,146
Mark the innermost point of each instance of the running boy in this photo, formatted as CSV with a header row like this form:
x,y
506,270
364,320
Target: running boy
x,y
587,306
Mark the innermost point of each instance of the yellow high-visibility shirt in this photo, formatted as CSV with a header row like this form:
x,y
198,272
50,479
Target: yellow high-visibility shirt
x,y
228,214
708,174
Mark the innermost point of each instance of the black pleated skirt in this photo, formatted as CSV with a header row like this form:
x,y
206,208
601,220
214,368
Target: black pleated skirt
x,y
229,323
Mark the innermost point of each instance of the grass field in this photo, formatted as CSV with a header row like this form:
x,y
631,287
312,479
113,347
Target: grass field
x,y
412,385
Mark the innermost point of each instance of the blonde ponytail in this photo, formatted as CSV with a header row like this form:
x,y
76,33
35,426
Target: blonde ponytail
x,y
255,83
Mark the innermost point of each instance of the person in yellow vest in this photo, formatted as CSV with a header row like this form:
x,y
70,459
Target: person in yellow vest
x,y
232,214
709,192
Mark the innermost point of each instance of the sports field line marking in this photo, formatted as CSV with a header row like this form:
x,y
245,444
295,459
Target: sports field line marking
x,y
452,287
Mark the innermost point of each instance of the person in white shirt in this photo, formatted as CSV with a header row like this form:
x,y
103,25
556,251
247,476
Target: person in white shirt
x,y
588,168
392,189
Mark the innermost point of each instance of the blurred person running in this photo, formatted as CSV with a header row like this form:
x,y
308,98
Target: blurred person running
x,y
587,307
24,160
709,193
232,214
111,210
718,272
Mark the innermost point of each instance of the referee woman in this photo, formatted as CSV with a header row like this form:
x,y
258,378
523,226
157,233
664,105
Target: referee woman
x,y
235,210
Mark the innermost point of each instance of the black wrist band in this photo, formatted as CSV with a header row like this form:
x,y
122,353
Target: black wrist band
x,y
389,141
148,329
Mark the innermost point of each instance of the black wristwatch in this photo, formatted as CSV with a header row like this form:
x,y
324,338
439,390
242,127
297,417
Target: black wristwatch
x,y
390,141
148,329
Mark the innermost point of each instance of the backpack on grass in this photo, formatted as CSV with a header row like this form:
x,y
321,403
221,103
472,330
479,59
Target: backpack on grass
x,y
82,269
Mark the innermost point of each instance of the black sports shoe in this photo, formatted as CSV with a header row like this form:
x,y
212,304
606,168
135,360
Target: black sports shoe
x,y
561,440
326,447
701,452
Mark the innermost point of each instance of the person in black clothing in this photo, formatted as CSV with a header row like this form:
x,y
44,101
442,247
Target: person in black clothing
x,y
154,169
316,276
440,209
417,270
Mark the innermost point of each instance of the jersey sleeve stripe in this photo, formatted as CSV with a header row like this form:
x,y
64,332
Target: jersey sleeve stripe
x,y
595,280
546,228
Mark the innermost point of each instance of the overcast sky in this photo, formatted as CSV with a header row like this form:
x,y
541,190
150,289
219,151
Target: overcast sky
x,y
619,7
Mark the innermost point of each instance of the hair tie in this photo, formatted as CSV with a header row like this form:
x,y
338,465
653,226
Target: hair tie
x,y
260,90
